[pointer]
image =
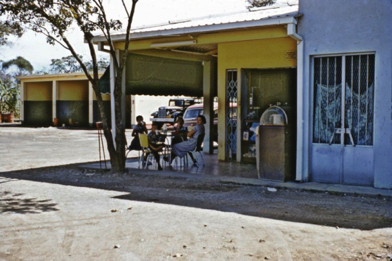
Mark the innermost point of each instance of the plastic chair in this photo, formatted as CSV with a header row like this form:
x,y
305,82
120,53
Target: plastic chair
x,y
198,150
145,150
127,151
182,161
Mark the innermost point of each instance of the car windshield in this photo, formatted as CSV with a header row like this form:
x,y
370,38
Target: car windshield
x,y
176,103
193,113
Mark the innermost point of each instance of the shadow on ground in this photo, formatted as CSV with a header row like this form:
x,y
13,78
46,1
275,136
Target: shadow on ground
x,y
341,210
19,203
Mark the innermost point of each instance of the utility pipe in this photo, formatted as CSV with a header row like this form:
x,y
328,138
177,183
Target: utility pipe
x,y
302,148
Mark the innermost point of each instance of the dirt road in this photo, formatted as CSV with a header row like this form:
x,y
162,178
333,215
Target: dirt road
x,y
70,213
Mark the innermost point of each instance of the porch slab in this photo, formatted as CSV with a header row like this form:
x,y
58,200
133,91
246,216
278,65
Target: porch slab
x,y
244,174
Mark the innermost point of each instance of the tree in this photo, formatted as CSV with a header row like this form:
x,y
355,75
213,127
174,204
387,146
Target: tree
x,y
66,64
8,96
22,66
69,64
9,84
54,18
8,28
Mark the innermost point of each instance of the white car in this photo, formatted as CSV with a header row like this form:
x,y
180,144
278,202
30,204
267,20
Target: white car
x,y
191,113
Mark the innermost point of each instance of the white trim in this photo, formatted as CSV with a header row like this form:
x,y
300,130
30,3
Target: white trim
x,y
22,94
312,56
171,44
54,100
90,104
302,153
66,76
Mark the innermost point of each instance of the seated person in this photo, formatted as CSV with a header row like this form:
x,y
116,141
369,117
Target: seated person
x,y
179,132
182,148
153,139
140,127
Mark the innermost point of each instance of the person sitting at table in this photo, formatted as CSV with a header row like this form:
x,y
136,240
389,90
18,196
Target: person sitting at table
x,y
154,143
140,127
182,148
179,132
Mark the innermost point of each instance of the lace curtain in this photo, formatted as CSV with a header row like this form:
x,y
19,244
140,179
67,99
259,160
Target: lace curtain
x,y
358,114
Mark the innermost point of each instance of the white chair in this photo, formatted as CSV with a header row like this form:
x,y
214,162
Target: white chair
x,y
197,153
182,161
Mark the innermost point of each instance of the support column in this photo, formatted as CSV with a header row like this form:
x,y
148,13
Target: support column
x,y
303,116
90,104
209,71
22,94
112,102
302,141
54,100
123,93
133,110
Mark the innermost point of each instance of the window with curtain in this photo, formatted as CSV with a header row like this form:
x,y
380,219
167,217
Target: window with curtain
x,y
343,99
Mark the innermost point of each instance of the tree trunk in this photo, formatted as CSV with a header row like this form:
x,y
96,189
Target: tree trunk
x,y
116,150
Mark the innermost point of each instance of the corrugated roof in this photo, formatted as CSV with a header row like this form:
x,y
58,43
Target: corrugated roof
x,y
251,17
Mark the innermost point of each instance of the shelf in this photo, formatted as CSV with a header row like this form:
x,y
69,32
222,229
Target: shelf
x,y
249,160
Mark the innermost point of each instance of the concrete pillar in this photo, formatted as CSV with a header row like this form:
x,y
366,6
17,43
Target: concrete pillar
x,y
54,100
209,71
133,110
22,97
123,92
90,104
112,102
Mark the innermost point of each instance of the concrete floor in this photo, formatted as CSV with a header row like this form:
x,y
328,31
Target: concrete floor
x,y
212,167
233,172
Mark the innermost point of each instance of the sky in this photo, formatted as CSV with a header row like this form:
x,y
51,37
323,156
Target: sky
x,y
34,48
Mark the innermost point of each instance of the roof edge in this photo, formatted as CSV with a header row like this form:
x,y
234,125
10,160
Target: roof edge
x,y
56,75
200,29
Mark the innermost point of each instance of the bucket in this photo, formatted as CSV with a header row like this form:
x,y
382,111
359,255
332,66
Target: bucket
x,y
276,119
8,117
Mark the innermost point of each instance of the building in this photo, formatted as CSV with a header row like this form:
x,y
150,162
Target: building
x,y
344,117
230,56
327,62
61,99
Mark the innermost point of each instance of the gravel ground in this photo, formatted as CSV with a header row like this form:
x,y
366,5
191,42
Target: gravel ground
x,y
71,213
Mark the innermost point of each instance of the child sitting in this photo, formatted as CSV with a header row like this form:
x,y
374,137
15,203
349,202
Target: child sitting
x,y
179,132
153,139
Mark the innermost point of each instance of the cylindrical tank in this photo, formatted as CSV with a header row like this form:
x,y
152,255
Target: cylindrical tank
x,y
275,145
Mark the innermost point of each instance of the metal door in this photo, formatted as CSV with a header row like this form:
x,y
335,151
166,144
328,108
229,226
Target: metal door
x,y
343,111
